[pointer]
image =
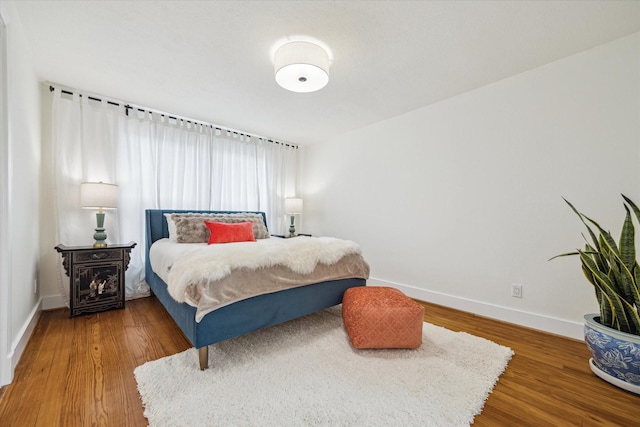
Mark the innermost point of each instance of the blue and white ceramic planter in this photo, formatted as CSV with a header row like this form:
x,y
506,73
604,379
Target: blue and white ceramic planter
x,y
616,355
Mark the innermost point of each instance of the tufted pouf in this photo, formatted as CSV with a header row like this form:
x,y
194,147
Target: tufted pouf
x,y
382,317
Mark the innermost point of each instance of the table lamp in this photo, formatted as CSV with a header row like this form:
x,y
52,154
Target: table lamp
x,y
292,206
98,195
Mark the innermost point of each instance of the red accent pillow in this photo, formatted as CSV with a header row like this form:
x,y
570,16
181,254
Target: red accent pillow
x,y
227,233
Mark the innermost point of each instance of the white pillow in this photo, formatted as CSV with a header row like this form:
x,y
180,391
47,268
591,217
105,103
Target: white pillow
x,y
172,227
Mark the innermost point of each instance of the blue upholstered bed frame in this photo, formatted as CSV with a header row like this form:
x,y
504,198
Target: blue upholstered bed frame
x,y
244,316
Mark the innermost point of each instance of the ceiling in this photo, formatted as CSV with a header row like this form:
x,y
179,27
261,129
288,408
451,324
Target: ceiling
x,y
213,60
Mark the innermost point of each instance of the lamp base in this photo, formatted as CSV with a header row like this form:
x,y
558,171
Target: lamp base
x,y
100,236
292,228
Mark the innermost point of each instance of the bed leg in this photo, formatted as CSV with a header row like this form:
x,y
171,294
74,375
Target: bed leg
x,y
203,355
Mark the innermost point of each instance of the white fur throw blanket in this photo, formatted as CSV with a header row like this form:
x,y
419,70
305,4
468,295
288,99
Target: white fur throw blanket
x,y
202,266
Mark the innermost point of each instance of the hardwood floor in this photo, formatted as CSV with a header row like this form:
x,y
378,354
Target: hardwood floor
x,y
79,372
547,383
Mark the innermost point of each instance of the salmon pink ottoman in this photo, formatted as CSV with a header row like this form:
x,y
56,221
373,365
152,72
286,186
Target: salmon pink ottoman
x,y
382,317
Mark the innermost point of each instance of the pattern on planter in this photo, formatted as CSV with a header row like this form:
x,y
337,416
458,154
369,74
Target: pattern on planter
x,y
616,357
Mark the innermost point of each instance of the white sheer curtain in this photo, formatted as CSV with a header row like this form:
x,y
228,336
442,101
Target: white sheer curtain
x,y
158,162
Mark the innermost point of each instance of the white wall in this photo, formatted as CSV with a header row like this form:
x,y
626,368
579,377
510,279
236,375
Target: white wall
x,y
456,201
23,188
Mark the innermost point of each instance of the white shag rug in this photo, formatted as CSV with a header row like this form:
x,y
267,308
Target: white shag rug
x,y
305,372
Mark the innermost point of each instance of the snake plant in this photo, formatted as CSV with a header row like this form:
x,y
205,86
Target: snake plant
x,y
613,270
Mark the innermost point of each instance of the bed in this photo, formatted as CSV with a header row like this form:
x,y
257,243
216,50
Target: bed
x,y
244,316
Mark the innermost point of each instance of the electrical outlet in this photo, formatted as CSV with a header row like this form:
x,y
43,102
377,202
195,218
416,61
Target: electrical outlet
x,y
516,291
35,286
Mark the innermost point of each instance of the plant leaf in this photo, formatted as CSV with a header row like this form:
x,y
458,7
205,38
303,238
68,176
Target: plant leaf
x,y
591,233
608,288
628,242
599,258
635,208
606,309
635,291
621,278
565,254
605,238
634,317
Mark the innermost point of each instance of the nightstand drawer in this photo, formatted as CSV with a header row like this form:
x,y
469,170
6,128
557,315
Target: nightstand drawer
x,y
98,255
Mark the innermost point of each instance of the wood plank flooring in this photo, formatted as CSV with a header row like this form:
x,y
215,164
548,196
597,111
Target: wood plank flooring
x,y
79,372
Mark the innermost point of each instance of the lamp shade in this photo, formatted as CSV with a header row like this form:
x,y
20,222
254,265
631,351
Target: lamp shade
x,y
301,67
293,205
98,195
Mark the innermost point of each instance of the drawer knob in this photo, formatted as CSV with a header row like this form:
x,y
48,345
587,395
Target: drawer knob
x,y
99,255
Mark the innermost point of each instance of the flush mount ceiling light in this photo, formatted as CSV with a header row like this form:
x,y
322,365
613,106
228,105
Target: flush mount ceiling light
x,y
301,66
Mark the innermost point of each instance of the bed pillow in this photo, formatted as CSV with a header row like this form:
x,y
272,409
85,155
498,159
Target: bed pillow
x,y
228,233
259,228
171,224
190,230
198,233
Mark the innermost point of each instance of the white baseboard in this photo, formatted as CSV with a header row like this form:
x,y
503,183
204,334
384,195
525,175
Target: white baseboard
x,y
21,340
52,302
540,322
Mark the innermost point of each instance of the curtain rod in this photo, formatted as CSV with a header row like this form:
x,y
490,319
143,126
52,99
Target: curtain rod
x,y
128,107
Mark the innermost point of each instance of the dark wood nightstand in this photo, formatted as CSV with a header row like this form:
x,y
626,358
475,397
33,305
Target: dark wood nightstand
x,y
96,276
